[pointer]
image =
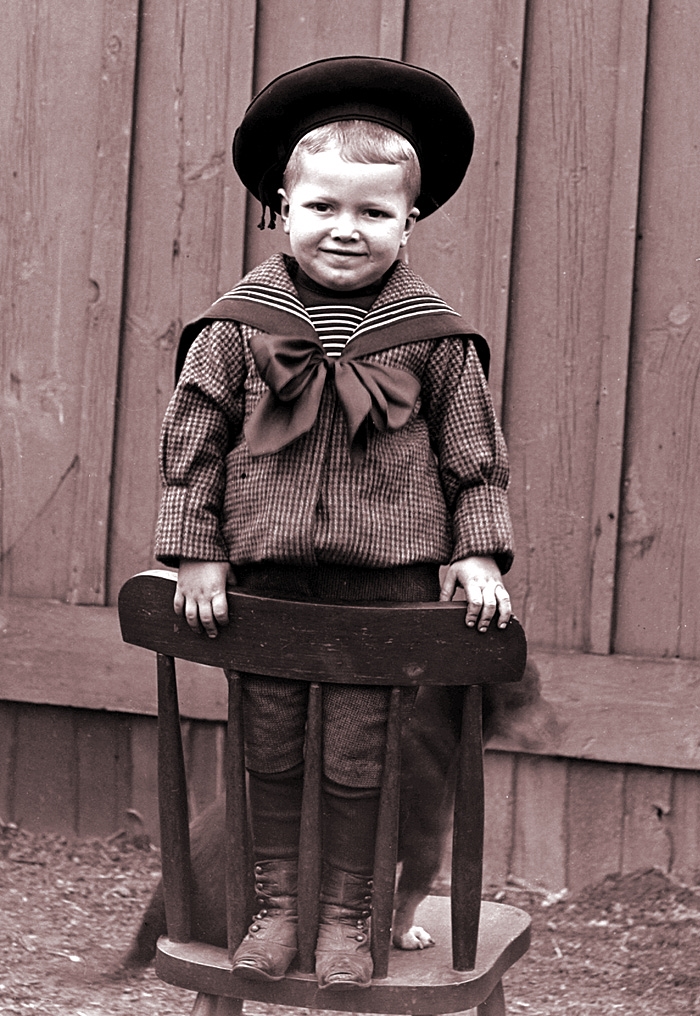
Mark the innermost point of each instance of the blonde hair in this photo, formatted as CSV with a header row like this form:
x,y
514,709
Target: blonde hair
x,y
358,141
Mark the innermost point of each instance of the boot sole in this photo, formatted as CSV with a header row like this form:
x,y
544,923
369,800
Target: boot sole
x,y
344,985
255,974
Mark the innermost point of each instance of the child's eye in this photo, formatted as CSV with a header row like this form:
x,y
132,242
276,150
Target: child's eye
x,y
376,213
319,206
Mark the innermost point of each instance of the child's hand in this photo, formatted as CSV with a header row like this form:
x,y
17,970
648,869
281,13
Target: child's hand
x,y
480,577
201,594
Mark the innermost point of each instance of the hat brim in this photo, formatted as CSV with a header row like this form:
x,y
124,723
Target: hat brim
x,y
415,102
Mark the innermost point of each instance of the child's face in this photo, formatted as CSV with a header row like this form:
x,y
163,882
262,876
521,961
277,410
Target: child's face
x,y
346,220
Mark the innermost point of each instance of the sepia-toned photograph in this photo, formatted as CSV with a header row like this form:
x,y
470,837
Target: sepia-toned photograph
x,y
349,507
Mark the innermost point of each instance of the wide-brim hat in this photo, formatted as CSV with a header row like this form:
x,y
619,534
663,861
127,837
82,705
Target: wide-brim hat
x,y
417,103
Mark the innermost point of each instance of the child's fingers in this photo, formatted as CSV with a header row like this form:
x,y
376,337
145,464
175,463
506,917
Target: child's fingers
x,y
475,603
504,606
449,584
489,607
207,619
219,604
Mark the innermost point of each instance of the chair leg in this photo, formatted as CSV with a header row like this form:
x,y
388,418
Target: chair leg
x,y
495,1004
216,1005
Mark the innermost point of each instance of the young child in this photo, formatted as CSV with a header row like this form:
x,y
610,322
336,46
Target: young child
x,y
331,437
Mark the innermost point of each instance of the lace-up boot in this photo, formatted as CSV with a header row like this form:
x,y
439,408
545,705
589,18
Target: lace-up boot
x,y
271,943
343,958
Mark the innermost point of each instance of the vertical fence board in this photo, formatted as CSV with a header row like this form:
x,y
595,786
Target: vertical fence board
x,y
45,794
684,826
659,574
617,313
571,92
539,842
103,776
144,776
595,809
240,91
391,28
464,249
111,181
499,771
8,746
646,836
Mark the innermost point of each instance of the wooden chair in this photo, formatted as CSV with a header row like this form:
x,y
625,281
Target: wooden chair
x,y
397,645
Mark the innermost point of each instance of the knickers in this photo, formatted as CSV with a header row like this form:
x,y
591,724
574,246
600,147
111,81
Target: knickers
x,y
354,716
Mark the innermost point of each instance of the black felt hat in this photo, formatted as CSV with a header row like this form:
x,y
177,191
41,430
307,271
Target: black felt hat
x,y
416,103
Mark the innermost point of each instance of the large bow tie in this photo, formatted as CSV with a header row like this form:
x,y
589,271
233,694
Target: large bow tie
x,y
295,370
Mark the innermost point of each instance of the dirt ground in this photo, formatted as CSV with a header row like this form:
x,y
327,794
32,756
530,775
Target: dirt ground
x,y
629,946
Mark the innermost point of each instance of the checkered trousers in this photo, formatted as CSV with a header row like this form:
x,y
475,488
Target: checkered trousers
x,y
354,716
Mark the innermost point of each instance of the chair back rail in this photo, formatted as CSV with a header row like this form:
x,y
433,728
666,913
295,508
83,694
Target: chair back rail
x,y
400,646
391,644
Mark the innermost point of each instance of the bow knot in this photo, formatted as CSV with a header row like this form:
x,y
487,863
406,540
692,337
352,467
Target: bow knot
x,y
295,370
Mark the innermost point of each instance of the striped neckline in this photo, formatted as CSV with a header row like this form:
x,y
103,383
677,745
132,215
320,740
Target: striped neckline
x,y
380,315
336,324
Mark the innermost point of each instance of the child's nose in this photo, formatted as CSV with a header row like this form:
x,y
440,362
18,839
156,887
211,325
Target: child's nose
x,y
345,228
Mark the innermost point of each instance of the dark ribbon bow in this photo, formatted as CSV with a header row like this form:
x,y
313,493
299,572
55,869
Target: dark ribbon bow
x,y
295,370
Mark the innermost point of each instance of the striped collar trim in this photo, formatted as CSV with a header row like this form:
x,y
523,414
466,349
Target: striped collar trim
x,y
385,312
269,296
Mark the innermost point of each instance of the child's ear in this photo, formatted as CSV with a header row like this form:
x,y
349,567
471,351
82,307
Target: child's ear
x,y
284,209
410,223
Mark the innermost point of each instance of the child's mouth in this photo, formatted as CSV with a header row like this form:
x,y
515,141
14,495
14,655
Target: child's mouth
x,y
343,253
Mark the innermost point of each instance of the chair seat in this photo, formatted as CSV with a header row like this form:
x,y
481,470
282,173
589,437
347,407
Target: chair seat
x,y
419,982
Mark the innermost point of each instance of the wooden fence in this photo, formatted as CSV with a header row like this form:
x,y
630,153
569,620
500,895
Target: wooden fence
x,y
572,246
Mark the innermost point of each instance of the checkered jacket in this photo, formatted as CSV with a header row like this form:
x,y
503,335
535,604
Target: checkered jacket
x,y
433,491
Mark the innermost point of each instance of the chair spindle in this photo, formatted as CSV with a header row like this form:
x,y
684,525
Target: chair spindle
x,y
172,794
468,836
310,836
239,890
387,839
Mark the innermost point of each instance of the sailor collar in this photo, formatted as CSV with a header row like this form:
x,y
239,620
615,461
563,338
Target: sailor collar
x,y
407,310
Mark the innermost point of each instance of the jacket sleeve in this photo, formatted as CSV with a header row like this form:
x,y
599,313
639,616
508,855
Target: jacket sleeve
x,y
471,453
203,418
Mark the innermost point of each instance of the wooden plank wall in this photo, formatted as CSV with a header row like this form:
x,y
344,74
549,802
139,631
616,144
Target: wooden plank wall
x,y
572,245
550,822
